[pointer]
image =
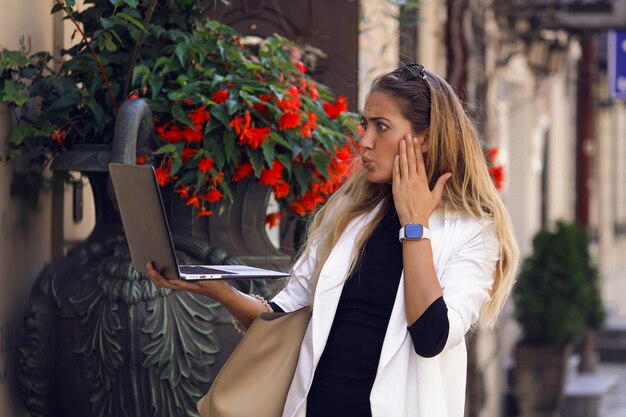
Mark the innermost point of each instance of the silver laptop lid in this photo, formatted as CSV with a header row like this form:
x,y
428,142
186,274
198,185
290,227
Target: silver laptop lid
x,y
141,209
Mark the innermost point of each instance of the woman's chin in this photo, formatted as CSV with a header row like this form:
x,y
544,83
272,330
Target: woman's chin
x,y
376,177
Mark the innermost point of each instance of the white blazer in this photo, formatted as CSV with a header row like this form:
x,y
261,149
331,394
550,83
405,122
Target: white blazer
x,y
465,253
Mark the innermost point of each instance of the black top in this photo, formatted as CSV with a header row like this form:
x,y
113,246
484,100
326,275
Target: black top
x,y
345,373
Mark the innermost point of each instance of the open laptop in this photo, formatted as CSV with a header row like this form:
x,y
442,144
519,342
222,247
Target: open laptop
x,y
148,234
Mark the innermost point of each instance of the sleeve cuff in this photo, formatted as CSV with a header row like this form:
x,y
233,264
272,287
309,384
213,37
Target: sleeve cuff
x,y
430,331
276,307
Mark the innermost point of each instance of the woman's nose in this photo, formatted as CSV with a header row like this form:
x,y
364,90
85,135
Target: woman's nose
x,y
367,139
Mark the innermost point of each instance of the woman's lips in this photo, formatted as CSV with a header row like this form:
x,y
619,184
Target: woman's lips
x,y
366,162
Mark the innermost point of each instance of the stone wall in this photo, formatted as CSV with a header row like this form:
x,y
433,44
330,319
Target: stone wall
x,y
25,244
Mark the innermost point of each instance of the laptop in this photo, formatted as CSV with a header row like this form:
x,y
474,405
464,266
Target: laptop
x,y
148,234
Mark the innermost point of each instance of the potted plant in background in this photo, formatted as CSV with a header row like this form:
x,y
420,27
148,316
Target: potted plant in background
x,y
225,113
554,300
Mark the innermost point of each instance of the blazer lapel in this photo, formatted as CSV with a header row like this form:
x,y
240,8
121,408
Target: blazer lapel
x,y
331,281
397,329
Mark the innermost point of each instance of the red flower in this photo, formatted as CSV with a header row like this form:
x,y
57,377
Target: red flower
x,y
334,110
141,160
192,135
273,219
188,102
212,196
205,165
301,67
248,135
183,191
188,153
281,189
204,212
194,201
133,96
242,171
307,127
217,179
262,108
162,176
230,85
58,136
259,78
313,92
170,135
497,175
308,202
199,116
271,176
289,120
291,100
220,96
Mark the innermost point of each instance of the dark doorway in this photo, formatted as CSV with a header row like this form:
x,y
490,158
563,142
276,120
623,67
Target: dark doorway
x,y
330,25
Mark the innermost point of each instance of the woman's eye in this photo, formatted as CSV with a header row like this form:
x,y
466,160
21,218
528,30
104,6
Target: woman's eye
x,y
381,127
363,124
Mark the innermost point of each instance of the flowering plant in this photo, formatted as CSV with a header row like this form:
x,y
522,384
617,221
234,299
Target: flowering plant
x,y
224,110
496,170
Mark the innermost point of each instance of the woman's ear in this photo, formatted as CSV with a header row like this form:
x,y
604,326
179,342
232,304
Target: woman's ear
x,y
424,141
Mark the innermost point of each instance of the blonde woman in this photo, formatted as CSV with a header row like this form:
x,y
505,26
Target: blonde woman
x,y
400,263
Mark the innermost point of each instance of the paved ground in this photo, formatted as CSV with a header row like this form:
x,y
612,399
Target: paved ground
x,y
614,404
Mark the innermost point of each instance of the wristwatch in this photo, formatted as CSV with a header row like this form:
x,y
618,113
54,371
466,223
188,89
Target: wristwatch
x,y
414,232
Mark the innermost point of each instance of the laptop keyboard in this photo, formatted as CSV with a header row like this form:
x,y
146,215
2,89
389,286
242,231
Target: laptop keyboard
x,y
198,269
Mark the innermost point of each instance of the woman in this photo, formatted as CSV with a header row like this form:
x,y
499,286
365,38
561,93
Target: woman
x,y
387,333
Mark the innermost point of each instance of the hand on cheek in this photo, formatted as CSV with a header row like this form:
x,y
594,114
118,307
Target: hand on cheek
x,y
413,198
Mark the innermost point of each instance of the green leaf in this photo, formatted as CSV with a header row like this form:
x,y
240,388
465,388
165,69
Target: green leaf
x,y
257,161
56,8
67,100
130,19
286,161
278,138
106,23
97,111
221,114
131,3
180,51
230,146
302,176
156,83
268,152
21,132
232,106
177,163
143,71
13,92
307,148
218,156
321,161
165,149
180,115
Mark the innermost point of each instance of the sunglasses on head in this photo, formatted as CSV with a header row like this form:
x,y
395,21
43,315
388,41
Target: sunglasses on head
x,y
414,71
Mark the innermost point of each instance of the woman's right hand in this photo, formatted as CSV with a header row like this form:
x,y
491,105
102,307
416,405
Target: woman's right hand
x,y
209,288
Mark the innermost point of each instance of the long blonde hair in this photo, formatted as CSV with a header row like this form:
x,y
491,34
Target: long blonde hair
x,y
453,146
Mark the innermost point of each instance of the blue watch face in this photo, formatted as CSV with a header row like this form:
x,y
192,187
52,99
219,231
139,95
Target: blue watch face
x,y
414,231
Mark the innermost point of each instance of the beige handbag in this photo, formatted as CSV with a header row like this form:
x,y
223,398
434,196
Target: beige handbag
x,y
256,377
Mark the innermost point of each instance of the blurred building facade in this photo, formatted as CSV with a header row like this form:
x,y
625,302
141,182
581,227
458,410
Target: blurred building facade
x,y
520,78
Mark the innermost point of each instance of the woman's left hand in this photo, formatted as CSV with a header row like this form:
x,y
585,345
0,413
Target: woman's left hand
x,y
413,198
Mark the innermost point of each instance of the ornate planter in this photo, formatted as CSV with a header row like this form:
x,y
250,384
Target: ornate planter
x,y
540,375
100,339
